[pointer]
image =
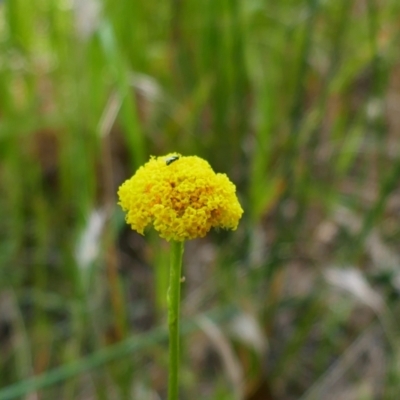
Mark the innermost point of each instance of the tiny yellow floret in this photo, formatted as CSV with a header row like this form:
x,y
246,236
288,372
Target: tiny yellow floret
x,y
182,197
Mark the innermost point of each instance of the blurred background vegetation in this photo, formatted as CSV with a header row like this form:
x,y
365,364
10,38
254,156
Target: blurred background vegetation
x,y
297,101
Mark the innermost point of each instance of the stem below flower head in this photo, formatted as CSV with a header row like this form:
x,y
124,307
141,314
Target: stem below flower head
x,y
174,294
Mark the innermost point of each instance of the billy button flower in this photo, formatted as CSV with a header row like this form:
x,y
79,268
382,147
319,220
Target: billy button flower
x,y
182,198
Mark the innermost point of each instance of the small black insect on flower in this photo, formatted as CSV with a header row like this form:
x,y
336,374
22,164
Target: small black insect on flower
x,y
171,159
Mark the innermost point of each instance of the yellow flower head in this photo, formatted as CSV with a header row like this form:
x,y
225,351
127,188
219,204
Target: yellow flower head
x,y
181,196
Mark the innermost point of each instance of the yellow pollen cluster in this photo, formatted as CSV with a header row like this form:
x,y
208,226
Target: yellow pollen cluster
x,y
182,197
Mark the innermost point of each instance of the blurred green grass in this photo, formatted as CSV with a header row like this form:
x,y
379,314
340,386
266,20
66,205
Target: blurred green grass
x,y
296,101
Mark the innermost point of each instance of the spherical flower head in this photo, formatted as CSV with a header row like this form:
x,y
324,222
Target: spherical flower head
x,y
182,197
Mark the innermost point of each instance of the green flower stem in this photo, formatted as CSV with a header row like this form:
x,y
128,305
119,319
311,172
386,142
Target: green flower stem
x,y
174,294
